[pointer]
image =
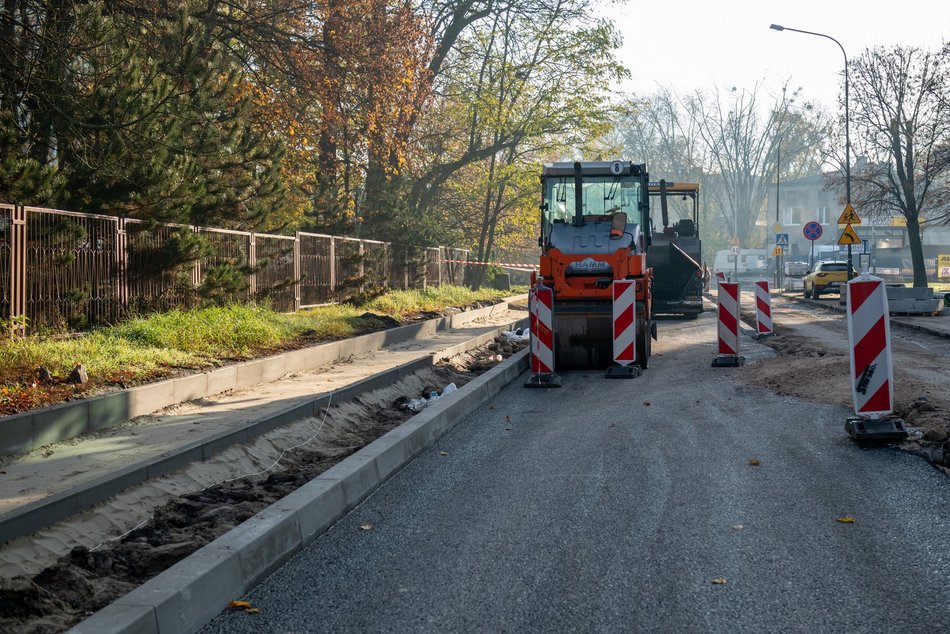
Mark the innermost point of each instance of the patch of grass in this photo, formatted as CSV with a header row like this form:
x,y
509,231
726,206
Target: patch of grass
x,y
150,347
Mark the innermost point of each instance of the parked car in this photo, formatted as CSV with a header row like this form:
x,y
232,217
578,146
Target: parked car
x,y
828,275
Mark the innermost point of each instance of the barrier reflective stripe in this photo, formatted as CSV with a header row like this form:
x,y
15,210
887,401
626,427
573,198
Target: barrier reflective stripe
x,y
869,338
729,318
542,336
624,321
763,308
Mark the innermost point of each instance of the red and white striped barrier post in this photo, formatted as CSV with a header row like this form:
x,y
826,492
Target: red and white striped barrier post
x,y
872,375
728,330
541,308
720,278
763,309
624,294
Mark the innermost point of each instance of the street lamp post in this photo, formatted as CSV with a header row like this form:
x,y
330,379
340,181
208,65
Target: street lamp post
x,y
847,118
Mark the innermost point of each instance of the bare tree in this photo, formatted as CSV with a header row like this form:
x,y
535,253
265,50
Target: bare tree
x,y
741,146
901,113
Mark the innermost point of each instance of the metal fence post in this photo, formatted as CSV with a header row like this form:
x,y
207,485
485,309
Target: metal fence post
x,y
252,265
196,272
362,254
297,270
121,265
18,270
332,266
405,268
439,260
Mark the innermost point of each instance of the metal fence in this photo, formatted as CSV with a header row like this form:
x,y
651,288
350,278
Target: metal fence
x,y
63,269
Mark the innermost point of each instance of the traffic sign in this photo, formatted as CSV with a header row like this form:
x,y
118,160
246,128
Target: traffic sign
x,y
781,239
735,250
812,230
777,251
943,266
848,236
777,228
849,216
734,242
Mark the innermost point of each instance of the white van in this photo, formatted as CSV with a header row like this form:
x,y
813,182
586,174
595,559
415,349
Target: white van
x,y
751,262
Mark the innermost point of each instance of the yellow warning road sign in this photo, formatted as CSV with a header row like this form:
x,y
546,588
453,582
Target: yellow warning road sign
x,y
777,251
734,242
849,217
777,228
848,236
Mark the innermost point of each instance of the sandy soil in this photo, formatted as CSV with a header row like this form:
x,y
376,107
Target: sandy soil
x,y
814,365
196,505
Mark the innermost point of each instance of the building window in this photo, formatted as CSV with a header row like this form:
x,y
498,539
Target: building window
x,y
824,214
793,216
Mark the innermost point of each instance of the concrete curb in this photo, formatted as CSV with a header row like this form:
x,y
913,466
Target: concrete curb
x,y
37,515
34,429
192,592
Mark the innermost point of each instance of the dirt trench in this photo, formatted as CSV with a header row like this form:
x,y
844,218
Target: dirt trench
x,y
86,580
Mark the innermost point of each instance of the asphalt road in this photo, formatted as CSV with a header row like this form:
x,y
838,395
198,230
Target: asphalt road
x,y
612,505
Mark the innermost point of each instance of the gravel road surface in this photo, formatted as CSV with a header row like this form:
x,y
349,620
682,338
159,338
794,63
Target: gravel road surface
x,y
614,505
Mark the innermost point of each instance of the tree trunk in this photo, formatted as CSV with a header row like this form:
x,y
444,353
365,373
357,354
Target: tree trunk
x,y
916,251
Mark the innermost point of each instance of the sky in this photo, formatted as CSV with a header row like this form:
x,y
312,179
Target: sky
x,y
693,44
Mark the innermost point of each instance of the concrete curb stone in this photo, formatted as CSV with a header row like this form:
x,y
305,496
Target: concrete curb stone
x,y
189,594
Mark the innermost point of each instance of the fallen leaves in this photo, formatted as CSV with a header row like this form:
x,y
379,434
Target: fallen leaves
x,y
443,453
366,526
847,519
646,403
719,581
738,527
753,462
244,605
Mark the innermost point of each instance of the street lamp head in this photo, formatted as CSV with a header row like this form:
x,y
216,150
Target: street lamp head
x,y
777,27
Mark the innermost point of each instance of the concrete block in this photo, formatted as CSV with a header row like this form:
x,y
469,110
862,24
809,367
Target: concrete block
x,y
17,434
249,373
188,388
108,410
145,399
263,542
222,379
417,434
272,368
318,505
359,477
192,592
30,518
109,484
174,460
392,452
59,423
908,292
128,619
221,441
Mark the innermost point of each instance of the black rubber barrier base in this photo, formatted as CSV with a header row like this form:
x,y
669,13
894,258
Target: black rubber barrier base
x,y
543,380
728,361
875,430
623,372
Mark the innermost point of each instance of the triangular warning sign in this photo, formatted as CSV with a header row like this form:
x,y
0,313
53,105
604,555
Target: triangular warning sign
x,y
849,216
848,236
777,251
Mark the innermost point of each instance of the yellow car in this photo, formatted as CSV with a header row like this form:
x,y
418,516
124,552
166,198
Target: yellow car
x,y
828,275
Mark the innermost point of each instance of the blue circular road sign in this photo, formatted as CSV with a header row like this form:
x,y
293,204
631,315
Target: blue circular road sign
x,y
812,230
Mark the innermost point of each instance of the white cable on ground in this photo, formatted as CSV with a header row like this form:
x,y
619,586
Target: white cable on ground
x,y
326,412
282,453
